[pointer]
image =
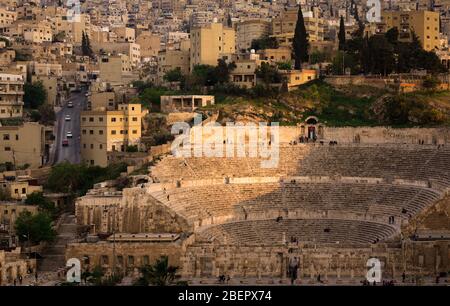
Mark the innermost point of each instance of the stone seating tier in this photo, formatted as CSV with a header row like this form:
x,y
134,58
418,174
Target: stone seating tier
x,y
273,232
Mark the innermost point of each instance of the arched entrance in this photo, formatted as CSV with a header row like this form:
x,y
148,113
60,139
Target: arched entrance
x,y
311,128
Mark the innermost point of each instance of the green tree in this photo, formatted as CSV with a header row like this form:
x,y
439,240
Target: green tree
x,y
73,178
284,65
204,75
223,71
264,42
86,45
35,95
383,60
47,114
44,204
35,227
158,274
341,35
300,44
268,74
174,75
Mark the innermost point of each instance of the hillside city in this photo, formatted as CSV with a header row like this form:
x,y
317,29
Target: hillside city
x,y
95,94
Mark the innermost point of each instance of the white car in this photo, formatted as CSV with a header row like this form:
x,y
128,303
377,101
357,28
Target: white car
x,y
70,104
69,135
67,118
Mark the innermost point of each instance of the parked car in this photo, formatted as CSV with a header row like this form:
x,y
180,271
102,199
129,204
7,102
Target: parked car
x,y
69,135
67,118
69,104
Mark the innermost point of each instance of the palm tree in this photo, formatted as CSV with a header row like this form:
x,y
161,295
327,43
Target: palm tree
x,y
159,274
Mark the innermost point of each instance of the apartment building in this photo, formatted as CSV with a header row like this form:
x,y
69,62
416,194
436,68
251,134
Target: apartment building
x,y
132,50
172,59
425,24
105,131
47,69
113,69
124,34
150,44
32,31
52,86
211,43
73,28
7,17
104,100
249,30
11,95
21,145
283,28
17,185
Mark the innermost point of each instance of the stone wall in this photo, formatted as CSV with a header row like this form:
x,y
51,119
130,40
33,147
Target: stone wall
x,y
385,135
134,212
12,266
210,261
286,134
129,255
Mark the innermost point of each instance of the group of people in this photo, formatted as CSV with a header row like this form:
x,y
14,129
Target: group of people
x,y
224,279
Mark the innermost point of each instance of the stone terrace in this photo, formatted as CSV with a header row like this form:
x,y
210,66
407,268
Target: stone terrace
x,y
411,162
232,201
271,232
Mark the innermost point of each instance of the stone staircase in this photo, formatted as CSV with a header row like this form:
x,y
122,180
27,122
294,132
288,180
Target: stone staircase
x,y
54,254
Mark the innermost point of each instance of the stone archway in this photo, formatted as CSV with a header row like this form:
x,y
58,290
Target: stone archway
x,y
311,129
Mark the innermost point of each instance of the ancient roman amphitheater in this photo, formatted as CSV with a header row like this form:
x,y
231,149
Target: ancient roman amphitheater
x,y
370,193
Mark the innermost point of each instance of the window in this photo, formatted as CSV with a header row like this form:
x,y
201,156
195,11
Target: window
x,y
91,132
113,119
146,260
134,131
5,136
84,132
100,132
17,136
24,190
100,119
113,132
92,145
100,146
91,119
130,260
135,119
84,146
7,148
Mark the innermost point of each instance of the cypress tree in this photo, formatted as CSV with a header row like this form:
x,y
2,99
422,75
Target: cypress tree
x,y
83,43
300,44
88,46
341,35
